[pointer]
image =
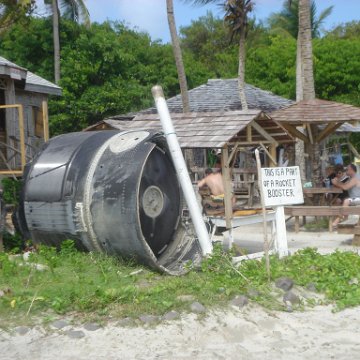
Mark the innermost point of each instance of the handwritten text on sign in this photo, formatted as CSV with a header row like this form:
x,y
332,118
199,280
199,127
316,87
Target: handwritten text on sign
x,y
281,186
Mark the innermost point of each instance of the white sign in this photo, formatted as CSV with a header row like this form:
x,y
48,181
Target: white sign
x,y
281,186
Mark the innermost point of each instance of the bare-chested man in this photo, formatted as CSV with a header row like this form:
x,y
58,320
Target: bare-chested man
x,y
215,183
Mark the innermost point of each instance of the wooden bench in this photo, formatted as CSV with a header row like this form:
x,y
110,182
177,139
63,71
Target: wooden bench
x,y
330,211
351,226
244,184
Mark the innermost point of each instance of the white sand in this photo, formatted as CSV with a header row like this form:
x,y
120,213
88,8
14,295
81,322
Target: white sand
x,y
250,333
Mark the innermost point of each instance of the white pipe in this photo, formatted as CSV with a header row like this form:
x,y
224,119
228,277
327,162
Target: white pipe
x,y
181,170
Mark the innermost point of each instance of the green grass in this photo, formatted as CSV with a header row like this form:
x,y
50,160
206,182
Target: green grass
x,y
99,286
321,224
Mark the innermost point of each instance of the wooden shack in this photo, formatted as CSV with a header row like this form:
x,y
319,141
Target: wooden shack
x,y
227,131
313,121
216,121
23,115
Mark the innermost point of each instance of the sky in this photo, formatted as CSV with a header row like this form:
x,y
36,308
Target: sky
x,y
150,15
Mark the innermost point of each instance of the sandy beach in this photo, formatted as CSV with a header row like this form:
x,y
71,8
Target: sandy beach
x,y
251,333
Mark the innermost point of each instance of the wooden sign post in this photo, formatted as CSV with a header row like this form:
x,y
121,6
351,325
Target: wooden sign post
x,y
280,186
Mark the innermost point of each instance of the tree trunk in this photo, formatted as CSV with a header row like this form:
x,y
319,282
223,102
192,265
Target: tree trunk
x,y
299,75
178,56
188,153
306,50
307,82
241,70
56,39
299,145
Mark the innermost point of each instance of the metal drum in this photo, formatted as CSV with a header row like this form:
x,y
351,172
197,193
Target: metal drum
x,y
109,191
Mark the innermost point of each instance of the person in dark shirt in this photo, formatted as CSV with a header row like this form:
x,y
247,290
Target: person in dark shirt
x,y
342,178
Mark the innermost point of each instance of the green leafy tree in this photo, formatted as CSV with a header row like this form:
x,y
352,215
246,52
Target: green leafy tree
x,y
178,56
236,17
348,30
209,41
287,20
12,11
72,9
107,69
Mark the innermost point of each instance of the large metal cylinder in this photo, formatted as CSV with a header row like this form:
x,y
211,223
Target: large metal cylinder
x,y
109,191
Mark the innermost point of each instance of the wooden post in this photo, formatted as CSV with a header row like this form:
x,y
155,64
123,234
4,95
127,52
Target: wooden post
x,y
280,238
22,137
273,155
227,187
11,119
266,242
45,113
2,222
248,133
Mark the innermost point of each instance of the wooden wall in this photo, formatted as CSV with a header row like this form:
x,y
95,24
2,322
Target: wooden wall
x,y
33,125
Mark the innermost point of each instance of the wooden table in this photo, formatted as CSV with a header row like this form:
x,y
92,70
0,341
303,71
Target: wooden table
x,y
318,195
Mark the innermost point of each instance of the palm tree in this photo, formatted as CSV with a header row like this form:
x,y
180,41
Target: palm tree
x,y
236,17
178,56
72,9
12,11
306,77
75,10
236,12
288,18
306,55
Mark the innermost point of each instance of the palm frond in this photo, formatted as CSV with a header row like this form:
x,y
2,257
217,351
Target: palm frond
x,y
324,14
202,2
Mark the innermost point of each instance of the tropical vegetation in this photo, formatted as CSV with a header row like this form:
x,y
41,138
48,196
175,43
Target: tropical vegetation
x,y
98,287
108,68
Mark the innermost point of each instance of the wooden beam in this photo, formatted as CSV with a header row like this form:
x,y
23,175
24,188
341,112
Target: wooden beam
x,y
7,164
273,155
11,172
20,110
252,143
295,132
330,128
310,134
13,148
227,187
268,154
45,114
353,150
264,133
22,137
248,133
233,152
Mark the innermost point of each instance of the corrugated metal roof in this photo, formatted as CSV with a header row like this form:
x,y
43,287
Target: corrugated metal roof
x,y
38,84
317,111
211,129
6,62
12,70
223,95
33,82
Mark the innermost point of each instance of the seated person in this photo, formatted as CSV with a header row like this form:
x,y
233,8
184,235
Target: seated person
x,y
330,174
214,181
340,175
352,186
